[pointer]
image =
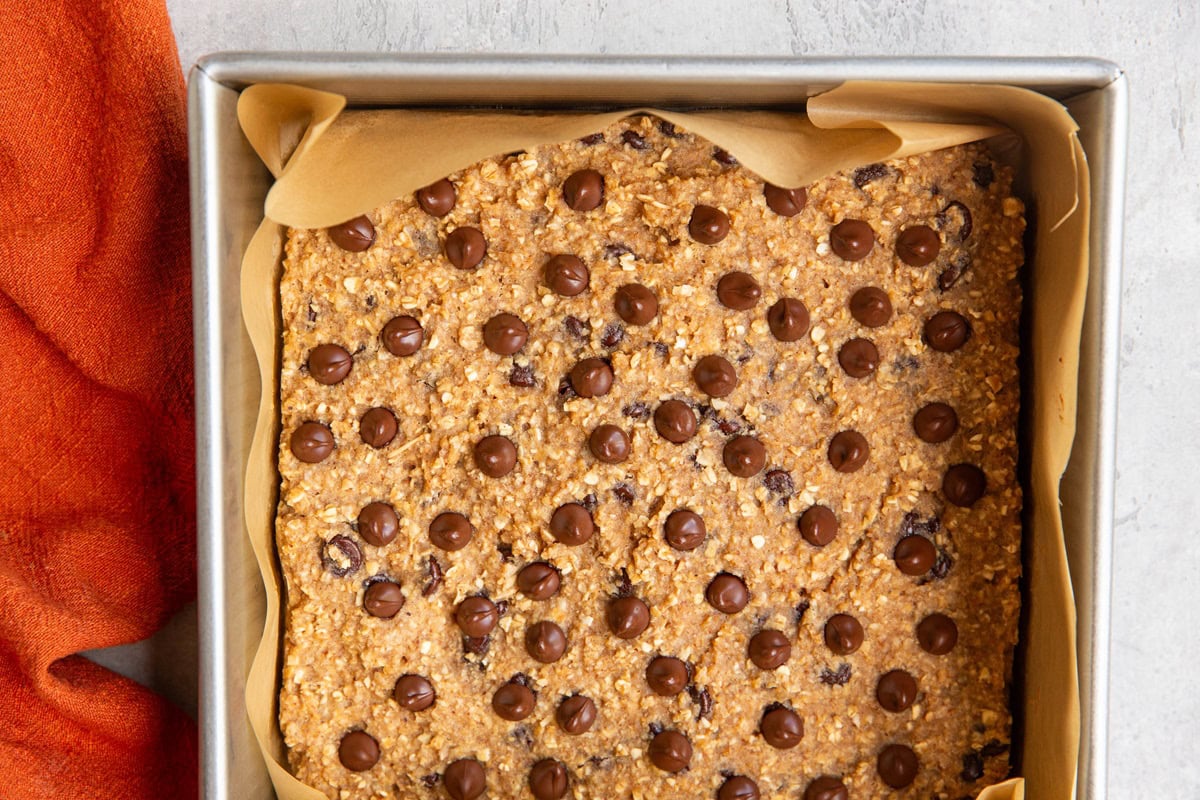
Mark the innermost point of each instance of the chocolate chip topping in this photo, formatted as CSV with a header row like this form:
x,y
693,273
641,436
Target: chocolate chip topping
x,y
505,334
341,556
914,555
896,690
571,524
738,787
378,523
685,529
897,765
476,616
591,377
378,427
781,727
670,751
715,376
937,634
495,456
785,202
852,239
667,676
738,290
848,451
466,247
566,275
358,751
545,642
609,444
675,421
918,245
548,780
843,634
946,331
859,357
871,306
770,649
744,456
635,303
788,319
403,336
826,787
539,580
627,617
513,701
464,779
312,442
438,198
576,714
583,190
935,423
964,484
708,225
354,235
414,692
383,599
727,593
818,525
329,364
451,531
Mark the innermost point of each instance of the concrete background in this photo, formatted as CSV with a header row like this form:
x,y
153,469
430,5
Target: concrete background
x,y
1155,749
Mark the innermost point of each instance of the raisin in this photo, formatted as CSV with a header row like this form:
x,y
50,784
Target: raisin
x,y
565,390
656,505
591,139
972,769
430,780
801,608
341,556
669,129
941,567
477,645
370,301
703,699
913,524
634,139
579,328
601,762
871,172
521,376
590,502
624,494
993,748
838,677
951,274
435,577
624,585
521,679
312,313
943,217
661,349
506,552
614,334
724,157
614,251
779,481
502,607
638,410
983,174
656,728
728,426
523,735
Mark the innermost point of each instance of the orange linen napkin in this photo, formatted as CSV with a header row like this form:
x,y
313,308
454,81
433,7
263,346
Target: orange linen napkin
x,y
97,530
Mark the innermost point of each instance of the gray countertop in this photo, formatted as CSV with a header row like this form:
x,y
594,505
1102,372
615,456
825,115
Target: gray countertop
x,y
1154,750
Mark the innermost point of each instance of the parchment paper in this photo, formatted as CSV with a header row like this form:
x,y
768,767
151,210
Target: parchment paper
x,y
331,165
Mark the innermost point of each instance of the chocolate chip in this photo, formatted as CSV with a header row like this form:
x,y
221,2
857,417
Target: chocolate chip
x,y
937,634
548,780
358,751
684,529
960,210
727,593
378,523
818,525
545,642
627,617
403,335
539,580
465,779
571,524
826,787
354,235
779,481
476,645
781,727
513,702
591,377
466,247
637,410
843,634
583,190
675,421
914,555
715,376
341,556
670,751
785,202
613,335
738,290
635,303
744,456
476,616
667,676
505,334
859,357
436,575
972,767
495,456
738,787
848,451
852,239
329,364
871,172
871,306
896,690
946,331
414,692
592,139
897,765
708,225
383,599
312,442
964,484
609,444
918,245
438,198
982,174
521,376
624,494
836,677
703,699
576,714
634,139
770,649
566,275
378,427
450,531
935,423
788,319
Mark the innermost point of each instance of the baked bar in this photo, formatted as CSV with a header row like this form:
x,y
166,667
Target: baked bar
x,y
610,472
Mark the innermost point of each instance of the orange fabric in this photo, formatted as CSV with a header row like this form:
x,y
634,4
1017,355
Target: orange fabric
x,y
97,531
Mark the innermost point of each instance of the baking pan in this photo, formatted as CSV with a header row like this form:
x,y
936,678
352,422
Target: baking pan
x,y
229,185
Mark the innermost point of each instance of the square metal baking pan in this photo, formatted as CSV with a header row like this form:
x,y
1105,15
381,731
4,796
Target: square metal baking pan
x,y
229,184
